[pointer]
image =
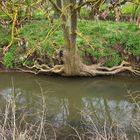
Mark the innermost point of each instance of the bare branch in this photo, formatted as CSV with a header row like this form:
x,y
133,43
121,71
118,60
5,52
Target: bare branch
x,y
55,6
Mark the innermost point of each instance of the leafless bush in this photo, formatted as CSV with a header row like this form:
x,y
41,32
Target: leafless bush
x,y
95,128
17,124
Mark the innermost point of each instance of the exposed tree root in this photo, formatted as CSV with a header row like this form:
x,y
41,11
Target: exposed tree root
x,y
100,70
85,70
36,69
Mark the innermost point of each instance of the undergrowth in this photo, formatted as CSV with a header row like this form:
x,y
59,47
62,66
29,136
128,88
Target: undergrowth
x,y
128,9
96,38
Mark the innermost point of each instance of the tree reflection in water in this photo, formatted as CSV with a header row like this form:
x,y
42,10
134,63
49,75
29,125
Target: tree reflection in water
x,y
69,101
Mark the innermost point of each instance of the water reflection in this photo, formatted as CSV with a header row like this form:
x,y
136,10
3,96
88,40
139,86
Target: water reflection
x,y
65,98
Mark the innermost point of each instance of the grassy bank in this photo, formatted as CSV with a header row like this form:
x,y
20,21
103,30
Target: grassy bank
x,y
98,41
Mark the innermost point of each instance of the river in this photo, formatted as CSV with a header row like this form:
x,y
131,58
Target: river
x,y
70,100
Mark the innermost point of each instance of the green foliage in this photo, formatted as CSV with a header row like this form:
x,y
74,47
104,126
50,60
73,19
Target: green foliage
x,y
4,36
84,13
44,33
48,48
9,58
133,44
113,59
38,14
103,36
100,37
97,38
128,9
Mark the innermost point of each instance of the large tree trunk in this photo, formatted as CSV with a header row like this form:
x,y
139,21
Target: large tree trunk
x,y
72,63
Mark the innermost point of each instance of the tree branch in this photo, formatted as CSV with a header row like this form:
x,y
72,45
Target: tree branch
x,y
55,6
81,4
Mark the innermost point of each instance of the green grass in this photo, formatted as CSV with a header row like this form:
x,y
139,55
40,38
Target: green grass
x,y
43,33
128,9
5,36
9,58
95,37
103,36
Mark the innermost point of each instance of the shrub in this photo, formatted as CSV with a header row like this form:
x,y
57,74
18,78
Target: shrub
x,y
115,59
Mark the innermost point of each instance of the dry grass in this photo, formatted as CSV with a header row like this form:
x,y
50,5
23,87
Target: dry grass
x,y
94,128
17,124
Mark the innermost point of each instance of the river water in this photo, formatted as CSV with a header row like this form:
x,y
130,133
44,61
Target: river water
x,y
69,100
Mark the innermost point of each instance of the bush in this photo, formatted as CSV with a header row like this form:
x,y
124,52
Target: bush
x,y
128,9
115,59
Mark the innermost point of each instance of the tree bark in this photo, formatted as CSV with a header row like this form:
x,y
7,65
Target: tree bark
x,y
73,65
57,14
71,57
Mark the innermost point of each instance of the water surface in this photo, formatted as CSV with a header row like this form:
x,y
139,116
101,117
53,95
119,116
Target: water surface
x,y
66,98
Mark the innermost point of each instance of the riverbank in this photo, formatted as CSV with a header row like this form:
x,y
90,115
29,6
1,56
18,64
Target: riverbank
x,y
105,42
